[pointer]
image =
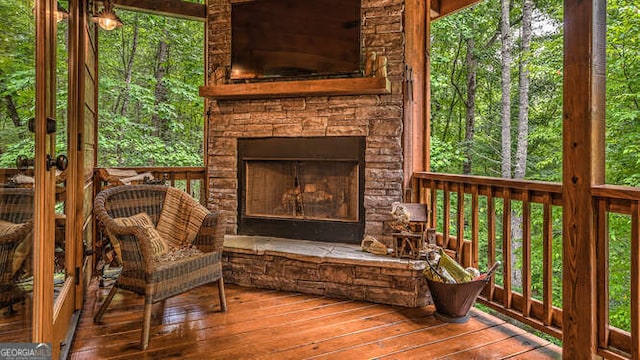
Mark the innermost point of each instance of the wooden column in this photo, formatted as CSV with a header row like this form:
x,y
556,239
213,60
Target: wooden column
x,y
427,88
44,189
583,166
415,91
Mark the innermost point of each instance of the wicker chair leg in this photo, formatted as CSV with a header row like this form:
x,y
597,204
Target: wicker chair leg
x,y
146,325
223,298
105,304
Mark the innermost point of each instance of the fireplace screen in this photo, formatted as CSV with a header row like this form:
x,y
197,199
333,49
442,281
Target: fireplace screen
x,y
302,189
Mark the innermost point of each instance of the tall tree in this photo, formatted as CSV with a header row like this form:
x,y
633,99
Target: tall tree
x,y
160,70
505,29
470,104
523,109
123,97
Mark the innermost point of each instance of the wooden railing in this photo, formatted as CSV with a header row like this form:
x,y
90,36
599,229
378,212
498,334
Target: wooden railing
x,y
483,220
608,200
190,179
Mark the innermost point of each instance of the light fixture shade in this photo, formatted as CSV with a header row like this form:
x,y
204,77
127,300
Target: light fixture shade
x,y
106,18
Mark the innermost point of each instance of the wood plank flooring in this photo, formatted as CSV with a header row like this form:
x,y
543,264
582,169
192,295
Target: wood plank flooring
x,y
268,324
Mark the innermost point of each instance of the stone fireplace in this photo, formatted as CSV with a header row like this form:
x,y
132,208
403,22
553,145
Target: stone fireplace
x,y
302,187
377,128
300,192
274,161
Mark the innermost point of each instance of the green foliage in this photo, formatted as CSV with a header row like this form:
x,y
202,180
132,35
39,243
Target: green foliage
x,y
152,129
623,93
17,79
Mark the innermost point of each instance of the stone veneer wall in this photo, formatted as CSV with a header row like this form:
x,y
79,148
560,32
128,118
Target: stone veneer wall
x,y
339,271
378,117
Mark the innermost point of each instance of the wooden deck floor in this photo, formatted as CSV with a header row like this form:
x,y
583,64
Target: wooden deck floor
x,y
266,324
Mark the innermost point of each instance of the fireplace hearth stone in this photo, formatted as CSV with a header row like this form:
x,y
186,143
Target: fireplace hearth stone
x,y
330,269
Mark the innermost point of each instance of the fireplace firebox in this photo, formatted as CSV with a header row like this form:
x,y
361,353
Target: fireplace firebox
x,y
309,188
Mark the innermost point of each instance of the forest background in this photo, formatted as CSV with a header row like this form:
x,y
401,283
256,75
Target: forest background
x,y
496,72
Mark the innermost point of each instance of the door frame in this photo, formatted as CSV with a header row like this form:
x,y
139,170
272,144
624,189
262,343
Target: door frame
x,y
52,315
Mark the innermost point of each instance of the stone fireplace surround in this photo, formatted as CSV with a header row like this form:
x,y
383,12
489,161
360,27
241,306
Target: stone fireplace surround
x,y
378,118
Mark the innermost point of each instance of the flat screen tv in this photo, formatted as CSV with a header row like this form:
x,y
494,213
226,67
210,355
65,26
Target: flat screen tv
x,y
294,38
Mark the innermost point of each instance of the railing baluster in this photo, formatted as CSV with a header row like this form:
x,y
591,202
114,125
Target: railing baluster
x,y
491,229
188,179
547,259
460,225
526,254
446,216
475,225
506,247
434,204
602,283
635,279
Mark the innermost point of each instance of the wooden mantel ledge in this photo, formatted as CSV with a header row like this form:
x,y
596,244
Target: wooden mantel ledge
x,y
280,89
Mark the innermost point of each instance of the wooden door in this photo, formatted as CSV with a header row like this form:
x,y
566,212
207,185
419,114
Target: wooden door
x,y
54,249
38,275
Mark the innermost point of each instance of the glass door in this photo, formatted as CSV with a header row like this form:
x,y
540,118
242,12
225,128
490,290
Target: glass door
x,y
64,166
37,285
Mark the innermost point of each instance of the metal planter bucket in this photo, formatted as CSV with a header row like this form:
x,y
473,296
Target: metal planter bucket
x,y
453,301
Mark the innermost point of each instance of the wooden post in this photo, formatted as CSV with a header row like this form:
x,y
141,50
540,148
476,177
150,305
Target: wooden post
x,y
583,166
427,88
415,90
44,189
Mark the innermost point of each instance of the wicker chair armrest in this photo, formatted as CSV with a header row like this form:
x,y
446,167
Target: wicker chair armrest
x,y
18,234
137,253
210,236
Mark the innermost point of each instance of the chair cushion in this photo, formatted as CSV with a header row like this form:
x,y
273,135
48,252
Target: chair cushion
x,y
158,245
180,254
180,218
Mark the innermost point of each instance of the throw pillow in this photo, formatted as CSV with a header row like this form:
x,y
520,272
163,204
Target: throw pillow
x,y
158,245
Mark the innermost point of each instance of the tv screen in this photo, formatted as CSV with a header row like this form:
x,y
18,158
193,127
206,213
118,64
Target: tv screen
x,y
292,38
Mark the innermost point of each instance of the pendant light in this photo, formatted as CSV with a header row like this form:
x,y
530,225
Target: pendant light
x,y
106,18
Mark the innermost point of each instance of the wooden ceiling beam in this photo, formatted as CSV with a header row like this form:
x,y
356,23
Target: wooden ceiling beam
x,y
174,8
435,9
441,8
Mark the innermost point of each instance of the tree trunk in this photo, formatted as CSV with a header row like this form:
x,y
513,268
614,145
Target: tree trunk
x,y
523,110
523,131
162,55
470,104
516,223
453,81
12,111
123,98
505,29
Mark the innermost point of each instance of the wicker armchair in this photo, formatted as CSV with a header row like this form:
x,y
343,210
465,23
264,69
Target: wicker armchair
x,y
16,225
143,271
